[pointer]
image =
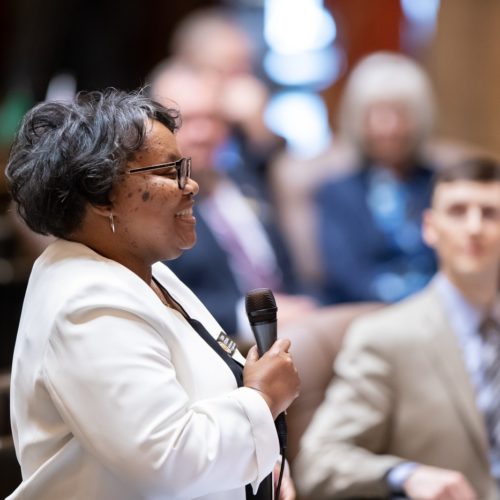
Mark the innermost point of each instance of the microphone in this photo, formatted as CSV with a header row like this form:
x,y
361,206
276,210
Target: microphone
x,y
261,311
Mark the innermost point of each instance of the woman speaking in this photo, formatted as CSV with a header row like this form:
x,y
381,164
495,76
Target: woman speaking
x,y
123,384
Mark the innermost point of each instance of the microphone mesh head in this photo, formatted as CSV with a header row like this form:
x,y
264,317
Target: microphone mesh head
x,y
260,305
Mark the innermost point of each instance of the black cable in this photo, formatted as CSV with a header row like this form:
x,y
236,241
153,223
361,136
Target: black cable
x,y
282,437
280,477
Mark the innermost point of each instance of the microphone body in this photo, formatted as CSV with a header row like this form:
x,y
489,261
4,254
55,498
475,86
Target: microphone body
x,y
262,314
265,334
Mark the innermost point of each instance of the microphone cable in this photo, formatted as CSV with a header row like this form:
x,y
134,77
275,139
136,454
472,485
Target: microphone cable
x,y
282,437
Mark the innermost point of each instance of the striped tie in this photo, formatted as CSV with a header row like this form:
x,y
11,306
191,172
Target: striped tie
x,y
489,392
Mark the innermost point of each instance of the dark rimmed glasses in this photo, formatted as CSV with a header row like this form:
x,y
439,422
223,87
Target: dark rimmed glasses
x,y
181,167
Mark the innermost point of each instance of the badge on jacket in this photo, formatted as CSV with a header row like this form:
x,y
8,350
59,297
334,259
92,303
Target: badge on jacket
x,y
226,343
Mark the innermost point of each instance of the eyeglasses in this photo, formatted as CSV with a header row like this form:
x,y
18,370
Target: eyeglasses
x,y
182,170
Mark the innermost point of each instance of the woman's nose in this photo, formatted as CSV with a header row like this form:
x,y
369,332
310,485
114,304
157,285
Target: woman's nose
x,y
191,187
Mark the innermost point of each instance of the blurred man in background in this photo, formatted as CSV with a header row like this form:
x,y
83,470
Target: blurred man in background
x,y
215,40
414,408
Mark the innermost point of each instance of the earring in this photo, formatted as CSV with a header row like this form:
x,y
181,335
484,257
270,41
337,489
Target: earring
x,y
112,222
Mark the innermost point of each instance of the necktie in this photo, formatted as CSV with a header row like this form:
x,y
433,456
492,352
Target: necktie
x,y
249,272
489,392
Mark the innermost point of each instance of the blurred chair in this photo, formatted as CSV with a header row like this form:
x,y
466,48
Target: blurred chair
x,y
316,340
4,406
11,302
293,182
10,472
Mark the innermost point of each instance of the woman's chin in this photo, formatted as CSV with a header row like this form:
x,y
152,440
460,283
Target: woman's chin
x,y
186,245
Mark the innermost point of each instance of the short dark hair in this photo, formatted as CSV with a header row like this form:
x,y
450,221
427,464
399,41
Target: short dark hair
x,y
66,155
478,169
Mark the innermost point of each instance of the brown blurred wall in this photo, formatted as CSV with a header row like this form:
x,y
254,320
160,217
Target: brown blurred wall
x,y
464,62
363,26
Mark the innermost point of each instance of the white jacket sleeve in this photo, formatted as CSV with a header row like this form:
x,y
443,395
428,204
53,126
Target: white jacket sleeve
x,y
113,379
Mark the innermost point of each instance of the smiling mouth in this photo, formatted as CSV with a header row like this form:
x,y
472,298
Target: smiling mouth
x,y
185,212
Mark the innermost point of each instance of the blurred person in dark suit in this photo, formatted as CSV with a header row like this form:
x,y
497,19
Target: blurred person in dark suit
x,y
414,408
239,245
369,219
214,39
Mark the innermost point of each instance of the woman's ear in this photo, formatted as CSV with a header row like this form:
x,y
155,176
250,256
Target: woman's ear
x,y
102,210
429,233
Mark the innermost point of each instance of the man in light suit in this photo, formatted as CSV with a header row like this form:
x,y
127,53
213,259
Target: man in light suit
x,y
406,413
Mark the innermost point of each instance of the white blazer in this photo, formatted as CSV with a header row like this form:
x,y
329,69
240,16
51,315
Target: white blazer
x,y
115,396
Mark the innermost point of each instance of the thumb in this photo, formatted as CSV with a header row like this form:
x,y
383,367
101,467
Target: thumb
x,y
253,355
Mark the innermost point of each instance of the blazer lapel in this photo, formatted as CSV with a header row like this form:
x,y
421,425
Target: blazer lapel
x,y
448,361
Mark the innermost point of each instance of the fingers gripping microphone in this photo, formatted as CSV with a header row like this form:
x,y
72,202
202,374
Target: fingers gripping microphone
x,y
261,311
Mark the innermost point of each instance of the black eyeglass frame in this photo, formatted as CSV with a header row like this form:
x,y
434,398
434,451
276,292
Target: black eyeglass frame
x,y
182,166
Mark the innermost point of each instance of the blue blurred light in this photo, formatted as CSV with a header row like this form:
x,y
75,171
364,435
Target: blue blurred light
x,y
319,68
297,26
421,11
301,118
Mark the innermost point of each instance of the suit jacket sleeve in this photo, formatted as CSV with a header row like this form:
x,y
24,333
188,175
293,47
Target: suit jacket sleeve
x,y
342,452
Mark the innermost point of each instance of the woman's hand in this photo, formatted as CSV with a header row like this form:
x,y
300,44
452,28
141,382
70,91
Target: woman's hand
x,y
274,375
287,491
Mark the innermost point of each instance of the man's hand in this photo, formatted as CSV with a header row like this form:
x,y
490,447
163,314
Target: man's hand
x,y
432,483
